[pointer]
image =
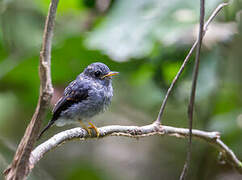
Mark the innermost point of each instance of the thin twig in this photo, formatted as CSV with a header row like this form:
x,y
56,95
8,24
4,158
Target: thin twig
x,y
213,15
154,129
193,90
19,167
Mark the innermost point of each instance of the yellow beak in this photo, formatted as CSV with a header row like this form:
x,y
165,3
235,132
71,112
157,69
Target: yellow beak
x,y
110,74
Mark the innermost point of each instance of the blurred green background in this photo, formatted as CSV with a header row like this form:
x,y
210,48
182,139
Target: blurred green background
x,y
146,41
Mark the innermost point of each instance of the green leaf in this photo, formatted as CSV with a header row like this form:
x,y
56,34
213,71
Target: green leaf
x,y
132,28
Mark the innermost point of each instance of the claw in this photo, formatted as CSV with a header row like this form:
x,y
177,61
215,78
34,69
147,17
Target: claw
x,y
92,126
86,128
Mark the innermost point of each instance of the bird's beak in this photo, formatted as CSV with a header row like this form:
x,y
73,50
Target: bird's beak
x,y
110,74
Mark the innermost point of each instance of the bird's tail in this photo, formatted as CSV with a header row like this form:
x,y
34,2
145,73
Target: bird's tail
x,y
50,123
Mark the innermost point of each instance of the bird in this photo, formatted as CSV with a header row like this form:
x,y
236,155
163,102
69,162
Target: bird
x,y
88,95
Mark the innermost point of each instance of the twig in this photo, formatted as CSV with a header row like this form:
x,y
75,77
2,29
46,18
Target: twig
x,y
19,167
212,16
154,129
193,90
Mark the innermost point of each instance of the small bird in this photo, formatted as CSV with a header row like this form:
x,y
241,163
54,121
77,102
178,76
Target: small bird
x,y
89,94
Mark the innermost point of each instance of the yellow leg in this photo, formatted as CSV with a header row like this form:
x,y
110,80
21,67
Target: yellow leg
x,y
92,126
86,128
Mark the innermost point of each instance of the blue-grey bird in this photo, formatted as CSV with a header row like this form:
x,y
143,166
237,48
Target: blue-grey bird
x,y
89,94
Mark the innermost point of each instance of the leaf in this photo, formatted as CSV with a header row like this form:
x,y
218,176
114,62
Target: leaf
x,y
132,28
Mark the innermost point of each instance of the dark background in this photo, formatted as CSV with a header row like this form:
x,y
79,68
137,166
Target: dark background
x,y
146,41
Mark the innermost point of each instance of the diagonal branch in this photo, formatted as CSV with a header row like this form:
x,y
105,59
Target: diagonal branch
x,y
19,167
212,16
213,138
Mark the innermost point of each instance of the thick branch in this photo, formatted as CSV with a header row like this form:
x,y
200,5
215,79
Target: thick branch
x,y
163,105
57,140
19,167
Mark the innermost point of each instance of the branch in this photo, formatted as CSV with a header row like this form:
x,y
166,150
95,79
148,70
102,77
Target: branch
x,y
154,129
213,15
19,167
193,90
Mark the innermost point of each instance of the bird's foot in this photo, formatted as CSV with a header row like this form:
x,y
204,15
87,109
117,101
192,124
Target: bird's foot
x,y
86,128
92,126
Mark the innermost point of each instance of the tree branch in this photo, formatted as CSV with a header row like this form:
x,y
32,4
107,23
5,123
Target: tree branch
x,y
212,16
19,167
193,90
154,129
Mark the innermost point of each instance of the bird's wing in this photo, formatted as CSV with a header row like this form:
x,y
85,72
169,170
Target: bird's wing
x,y
70,87
74,93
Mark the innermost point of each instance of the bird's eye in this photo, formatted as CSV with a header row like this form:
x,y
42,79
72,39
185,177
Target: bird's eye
x,y
97,73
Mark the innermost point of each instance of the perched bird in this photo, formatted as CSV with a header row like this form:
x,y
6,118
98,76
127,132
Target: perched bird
x,y
89,94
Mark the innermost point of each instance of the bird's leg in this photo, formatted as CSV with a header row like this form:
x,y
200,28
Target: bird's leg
x,y
85,127
92,126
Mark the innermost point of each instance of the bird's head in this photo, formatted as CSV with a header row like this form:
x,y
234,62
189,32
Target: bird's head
x,y
99,71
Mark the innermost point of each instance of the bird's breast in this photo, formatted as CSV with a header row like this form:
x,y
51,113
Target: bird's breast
x,y
102,96
98,100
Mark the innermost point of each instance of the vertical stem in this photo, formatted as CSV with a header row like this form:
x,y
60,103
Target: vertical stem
x,y
193,90
19,167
